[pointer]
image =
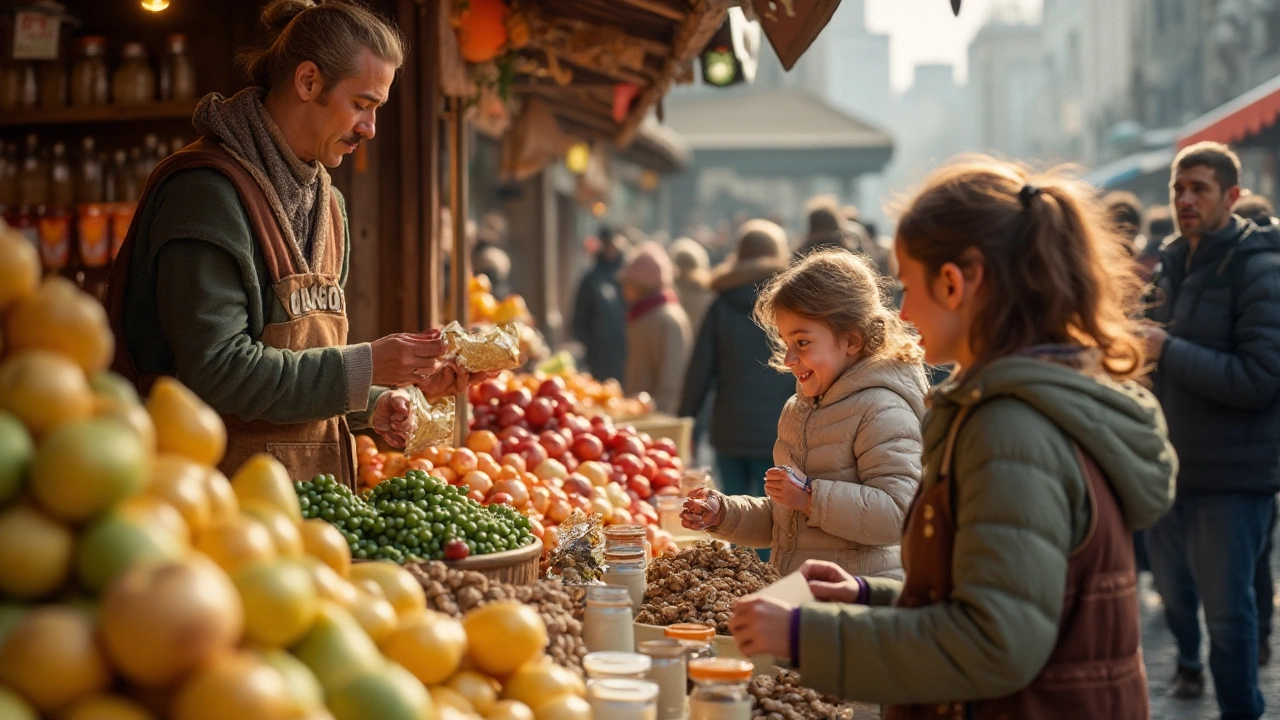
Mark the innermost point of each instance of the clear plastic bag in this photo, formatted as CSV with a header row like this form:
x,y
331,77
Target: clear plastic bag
x,y
435,421
486,351
579,557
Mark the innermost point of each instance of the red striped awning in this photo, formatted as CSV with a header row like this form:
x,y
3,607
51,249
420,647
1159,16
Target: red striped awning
x,y
1237,120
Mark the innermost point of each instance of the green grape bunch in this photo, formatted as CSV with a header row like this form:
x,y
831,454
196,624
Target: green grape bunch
x,y
412,518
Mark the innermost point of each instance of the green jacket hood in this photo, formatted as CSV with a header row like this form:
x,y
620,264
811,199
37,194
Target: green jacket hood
x,y
1119,425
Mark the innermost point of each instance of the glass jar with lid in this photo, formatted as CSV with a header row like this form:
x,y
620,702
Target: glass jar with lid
x,y
177,72
607,623
669,509
694,479
134,82
695,638
669,670
625,567
89,80
616,664
623,536
617,699
721,689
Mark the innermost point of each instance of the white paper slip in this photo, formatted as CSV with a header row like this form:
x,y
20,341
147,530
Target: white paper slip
x,y
792,589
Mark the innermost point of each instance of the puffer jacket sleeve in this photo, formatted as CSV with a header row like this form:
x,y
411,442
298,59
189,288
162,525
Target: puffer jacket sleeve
x,y
886,447
748,521
1249,377
1009,569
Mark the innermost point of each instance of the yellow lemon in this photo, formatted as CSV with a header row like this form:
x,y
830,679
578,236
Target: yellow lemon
x,y
324,541
44,389
19,267
51,658
233,543
280,601
263,479
35,552
185,424
403,590
428,644
183,483
65,319
83,468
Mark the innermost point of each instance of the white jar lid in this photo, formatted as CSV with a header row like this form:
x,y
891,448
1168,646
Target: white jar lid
x,y
614,664
623,690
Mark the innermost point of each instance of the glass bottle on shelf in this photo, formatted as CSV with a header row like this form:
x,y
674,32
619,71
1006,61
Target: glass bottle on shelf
x,y
93,219
8,181
89,79
30,96
721,692
55,222
134,82
125,184
10,84
33,190
177,72
150,157
53,83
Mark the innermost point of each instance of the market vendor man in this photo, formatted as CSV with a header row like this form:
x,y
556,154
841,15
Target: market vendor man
x,y
232,274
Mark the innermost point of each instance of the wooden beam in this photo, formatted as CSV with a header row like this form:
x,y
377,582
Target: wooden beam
x,y
430,272
620,75
658,8
693,35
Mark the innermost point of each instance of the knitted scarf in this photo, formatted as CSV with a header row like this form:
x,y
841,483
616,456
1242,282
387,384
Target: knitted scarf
x,y
298,191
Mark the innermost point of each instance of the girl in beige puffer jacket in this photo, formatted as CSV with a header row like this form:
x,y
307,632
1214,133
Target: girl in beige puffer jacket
x,y
851,434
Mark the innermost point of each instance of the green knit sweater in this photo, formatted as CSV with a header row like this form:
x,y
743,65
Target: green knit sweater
x,y
198,298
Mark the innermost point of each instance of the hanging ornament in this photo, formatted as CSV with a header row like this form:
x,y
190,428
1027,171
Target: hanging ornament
x,y
482,30
955,7
623,95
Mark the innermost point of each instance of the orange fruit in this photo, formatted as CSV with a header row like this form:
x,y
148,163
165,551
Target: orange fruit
x,y
234,684
19,267
285,534
509,710
329,585
223,504
280,601
483,441
52,659
375,614
463,461
185,424
159,622
487,465
62,318
324,541
428,644
83,468
134,417
106,707
479,690
35,552
139,531
183,483
446,474
539,681
402,590
478,481
502,636
565,707
264,479
242,540
44,389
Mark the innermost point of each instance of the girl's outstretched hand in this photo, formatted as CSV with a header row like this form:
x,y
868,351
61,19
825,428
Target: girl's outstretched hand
x,y
829,582
702,510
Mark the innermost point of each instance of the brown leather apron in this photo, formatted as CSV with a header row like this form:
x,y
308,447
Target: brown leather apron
x,y
313,301
1095,669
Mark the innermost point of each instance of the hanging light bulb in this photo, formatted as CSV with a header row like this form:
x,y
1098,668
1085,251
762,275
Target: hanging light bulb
x,y
155,5
577,158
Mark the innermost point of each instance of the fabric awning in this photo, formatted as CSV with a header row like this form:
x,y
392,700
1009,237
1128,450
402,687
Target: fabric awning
x,y
1238,120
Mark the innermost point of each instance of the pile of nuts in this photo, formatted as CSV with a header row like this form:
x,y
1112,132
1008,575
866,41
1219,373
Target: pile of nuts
x,y
699,585
784,698
455,592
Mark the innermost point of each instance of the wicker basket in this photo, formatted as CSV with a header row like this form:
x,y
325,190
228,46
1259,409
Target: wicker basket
x,y
514,567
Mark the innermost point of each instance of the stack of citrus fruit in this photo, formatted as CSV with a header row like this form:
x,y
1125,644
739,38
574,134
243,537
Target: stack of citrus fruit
x,y
140,583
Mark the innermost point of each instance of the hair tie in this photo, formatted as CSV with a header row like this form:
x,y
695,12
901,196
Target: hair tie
x,y
1027,193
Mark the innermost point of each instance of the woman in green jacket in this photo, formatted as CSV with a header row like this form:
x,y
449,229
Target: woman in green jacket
x,y
1041,456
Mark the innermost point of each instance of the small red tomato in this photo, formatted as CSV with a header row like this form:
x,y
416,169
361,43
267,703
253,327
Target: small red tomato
x,y
456,550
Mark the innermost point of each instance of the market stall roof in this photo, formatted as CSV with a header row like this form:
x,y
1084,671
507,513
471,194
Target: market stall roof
x,y
778,132
1236,121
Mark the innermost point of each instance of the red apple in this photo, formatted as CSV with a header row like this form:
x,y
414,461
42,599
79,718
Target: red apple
x,y
627,444
514,461
621,516
605,433
646,439
510,416
650,467
666,445
476,495
570,462
490,391
666,477
519,397
551,386
554,443
577,424
588,447
629,464
533,452
661,457
539,411
617,477
514,433
578,484
641,486
648,512
499,498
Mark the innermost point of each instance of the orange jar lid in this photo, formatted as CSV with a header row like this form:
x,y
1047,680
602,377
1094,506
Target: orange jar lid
x,y
691,631
727,669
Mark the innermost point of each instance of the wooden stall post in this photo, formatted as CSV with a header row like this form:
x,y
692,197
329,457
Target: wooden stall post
x,y
461,280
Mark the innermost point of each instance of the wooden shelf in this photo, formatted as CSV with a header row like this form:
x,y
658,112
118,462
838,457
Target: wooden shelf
x,y
170,110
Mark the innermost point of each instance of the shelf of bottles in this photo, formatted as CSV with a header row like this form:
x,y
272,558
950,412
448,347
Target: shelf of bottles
x,y
74,198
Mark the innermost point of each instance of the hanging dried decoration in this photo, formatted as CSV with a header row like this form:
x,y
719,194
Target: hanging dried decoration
x,y
955,7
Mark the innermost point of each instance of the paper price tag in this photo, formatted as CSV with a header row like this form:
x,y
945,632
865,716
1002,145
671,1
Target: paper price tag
x,y
792,589
35,36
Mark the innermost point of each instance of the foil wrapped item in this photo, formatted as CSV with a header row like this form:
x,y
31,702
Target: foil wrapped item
x,y
486,351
